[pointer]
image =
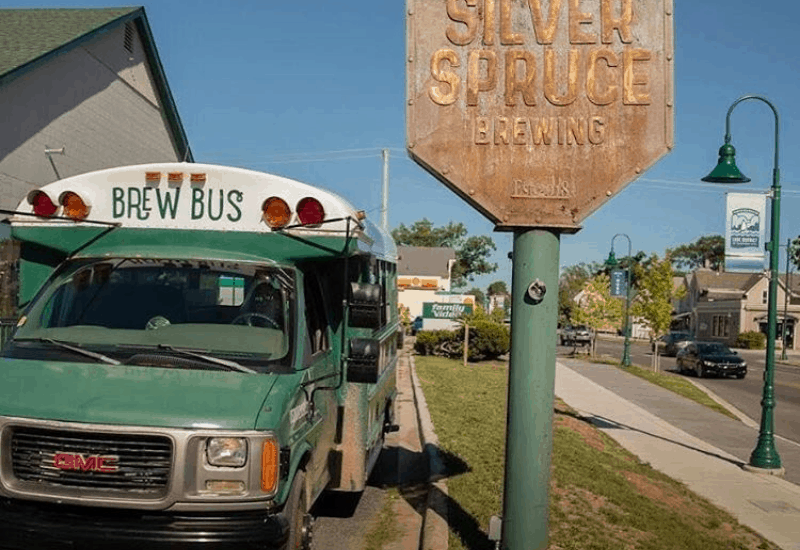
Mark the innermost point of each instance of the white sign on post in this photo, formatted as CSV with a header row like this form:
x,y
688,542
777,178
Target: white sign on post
x,y
745,232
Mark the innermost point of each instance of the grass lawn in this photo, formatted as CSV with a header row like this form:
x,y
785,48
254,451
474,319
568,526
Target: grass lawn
x,y
601,496
671,382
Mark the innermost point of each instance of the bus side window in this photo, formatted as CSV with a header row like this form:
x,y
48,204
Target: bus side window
x,y
316,319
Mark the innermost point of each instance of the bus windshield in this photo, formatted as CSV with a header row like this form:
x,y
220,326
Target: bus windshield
x,y
122,307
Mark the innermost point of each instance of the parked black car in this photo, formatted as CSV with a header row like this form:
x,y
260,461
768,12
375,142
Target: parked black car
x,y
671,343
704,358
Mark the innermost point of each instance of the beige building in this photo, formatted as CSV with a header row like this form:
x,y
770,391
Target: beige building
x,y
719,306
423,275
80,90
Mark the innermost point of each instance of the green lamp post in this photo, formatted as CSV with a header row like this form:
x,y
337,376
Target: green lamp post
x,y
765,456
612,263
784,356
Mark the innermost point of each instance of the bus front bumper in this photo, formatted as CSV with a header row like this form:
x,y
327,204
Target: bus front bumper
x,y
27,525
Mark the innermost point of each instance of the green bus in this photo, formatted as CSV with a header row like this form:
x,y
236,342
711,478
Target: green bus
x,y
201,352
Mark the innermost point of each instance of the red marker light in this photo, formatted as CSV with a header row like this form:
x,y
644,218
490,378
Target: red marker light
x,y
42,204
310,211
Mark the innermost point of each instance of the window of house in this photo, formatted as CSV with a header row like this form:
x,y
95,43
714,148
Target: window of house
x,y
764,297
720,325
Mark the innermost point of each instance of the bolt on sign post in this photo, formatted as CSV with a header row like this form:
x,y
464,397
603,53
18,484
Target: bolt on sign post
x,y
536,112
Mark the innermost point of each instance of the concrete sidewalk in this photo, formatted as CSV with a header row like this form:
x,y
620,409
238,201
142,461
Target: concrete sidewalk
x,y
688,442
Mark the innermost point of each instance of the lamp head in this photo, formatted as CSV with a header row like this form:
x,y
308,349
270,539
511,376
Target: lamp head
x,y
726,170
611,262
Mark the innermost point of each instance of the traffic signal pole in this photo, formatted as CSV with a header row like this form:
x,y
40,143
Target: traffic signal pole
x,y
531,389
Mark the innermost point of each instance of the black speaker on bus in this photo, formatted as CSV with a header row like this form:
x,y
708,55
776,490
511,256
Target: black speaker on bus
x,y
363,361
365,305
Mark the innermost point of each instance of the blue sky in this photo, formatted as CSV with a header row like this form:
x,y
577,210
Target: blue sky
x,y
314,90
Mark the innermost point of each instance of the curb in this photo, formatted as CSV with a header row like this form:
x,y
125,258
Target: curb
x,y
435,531
743,418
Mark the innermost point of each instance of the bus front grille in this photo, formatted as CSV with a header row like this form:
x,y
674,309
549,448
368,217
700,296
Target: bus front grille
x,y
92,461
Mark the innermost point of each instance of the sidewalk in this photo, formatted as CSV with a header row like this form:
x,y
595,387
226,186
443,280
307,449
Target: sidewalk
x,y
690,443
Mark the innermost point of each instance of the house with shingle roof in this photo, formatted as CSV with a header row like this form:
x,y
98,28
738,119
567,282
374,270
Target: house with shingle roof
x,y
721,305
81,90
424,275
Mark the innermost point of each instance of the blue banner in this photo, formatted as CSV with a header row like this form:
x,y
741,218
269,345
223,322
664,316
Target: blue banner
x,y
619,283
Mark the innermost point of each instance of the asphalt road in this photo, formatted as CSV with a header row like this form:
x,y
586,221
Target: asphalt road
x,y
744,394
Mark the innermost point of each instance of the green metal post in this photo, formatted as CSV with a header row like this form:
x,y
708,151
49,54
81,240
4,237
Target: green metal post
x,y
531,388
626,349
765,455
784,356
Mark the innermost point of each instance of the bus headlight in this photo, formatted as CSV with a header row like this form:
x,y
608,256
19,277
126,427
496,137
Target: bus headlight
x,y
227,451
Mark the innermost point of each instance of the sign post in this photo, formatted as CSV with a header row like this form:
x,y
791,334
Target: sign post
x,y
536,113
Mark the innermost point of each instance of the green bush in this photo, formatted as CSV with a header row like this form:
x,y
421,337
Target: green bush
x,y
430,342
488,340
751,340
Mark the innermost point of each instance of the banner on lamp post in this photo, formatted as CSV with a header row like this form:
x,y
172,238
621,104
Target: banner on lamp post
x,y
619,283
745,232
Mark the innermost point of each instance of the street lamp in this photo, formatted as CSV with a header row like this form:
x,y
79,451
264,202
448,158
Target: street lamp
x,y
765,456
612,263
786,287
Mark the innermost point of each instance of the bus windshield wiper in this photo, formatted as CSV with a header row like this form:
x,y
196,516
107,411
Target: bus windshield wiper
x,y
66,345
231,365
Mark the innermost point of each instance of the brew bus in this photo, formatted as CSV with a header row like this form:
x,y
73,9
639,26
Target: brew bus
x,y
201,351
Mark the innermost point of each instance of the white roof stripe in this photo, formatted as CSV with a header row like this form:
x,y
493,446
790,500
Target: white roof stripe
x,y
230,199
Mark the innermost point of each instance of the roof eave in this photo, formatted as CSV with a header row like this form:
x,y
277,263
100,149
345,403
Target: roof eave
x,y
178,134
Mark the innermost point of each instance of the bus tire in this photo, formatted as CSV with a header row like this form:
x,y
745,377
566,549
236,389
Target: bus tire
x,y
296,511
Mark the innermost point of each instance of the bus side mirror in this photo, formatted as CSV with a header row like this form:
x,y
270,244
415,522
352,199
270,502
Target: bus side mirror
x,y
363,363
365,305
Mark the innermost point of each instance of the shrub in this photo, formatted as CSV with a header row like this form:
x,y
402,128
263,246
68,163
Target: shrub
x,y
751,340
430,342
488,340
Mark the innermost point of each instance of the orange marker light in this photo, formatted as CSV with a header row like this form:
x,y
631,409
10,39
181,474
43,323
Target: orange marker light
x,y
276,212
74,207
269,466
310,211
42,204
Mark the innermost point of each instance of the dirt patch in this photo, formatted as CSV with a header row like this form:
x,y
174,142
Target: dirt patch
x,y
587,432
656,491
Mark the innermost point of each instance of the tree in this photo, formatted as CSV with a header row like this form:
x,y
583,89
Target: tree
x,y
707,251
472,253
497,287
570,283
598,309
480,297
654,298
794,252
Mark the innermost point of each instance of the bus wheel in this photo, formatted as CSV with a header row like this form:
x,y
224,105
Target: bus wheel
x,y
299,518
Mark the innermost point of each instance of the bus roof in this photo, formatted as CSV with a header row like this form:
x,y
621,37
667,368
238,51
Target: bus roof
x,y
202,197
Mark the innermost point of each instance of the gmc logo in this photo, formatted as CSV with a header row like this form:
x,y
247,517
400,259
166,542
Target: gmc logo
x,y
92,463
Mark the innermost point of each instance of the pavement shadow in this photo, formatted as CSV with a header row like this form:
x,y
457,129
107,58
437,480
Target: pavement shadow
x,y
606,423
460,522
414,475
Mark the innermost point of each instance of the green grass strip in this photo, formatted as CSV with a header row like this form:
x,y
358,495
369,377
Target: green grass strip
x,y
601,496
679,385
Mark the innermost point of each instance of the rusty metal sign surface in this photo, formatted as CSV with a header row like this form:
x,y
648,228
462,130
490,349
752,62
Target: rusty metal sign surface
x,y
538,111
